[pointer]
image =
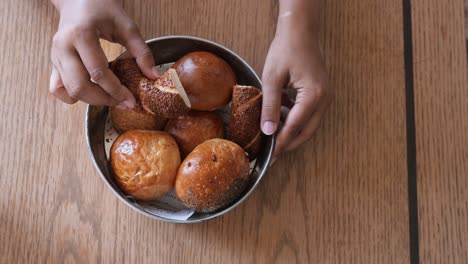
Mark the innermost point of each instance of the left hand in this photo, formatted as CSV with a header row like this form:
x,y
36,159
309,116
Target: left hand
x,y
294,61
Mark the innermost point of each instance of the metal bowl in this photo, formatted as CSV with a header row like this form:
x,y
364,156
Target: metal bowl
x,y
166,50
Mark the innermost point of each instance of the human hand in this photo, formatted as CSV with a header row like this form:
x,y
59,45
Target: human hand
x,y
294,61
80,67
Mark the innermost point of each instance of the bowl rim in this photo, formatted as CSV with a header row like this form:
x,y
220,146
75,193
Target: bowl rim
x,y
225,210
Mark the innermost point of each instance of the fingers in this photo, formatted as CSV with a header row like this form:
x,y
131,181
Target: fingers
x,y
313,124
285,100
303,119
57,89
306,132
130,37
297,118
274,79
95,62
75,77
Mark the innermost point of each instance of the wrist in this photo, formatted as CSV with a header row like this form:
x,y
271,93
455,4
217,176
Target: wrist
x,y
60,4
302,15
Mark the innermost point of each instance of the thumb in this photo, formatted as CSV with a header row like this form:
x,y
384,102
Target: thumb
x,y
273,82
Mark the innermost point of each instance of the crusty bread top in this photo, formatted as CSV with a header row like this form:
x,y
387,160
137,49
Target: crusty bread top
x,y
128,72
162,97
137,118
242,94
145,163
207,79
245,114
194,128
213,175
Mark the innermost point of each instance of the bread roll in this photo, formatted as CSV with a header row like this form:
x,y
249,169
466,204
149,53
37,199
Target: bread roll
x,y
207,79
212,176
124,120
145,163
164,97
128,72
194,128
244,126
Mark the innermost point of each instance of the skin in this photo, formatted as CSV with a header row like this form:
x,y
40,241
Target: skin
x,y
294,62
80,68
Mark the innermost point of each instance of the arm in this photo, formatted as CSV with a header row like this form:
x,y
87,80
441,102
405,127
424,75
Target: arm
x,y
80,68
294,61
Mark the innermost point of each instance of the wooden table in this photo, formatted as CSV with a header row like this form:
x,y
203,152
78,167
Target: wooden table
x,y
385,179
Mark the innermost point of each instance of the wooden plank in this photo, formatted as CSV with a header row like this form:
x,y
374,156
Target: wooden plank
x,y
441,105
340,198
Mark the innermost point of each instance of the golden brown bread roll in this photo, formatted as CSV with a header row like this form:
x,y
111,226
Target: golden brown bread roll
x,y
212,176
164,97
145,163
244,126
207,79
124,120
194,128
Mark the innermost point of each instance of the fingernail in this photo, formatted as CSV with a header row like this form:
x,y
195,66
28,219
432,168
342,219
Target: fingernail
x,y
129,104
122,106
155,72
269,127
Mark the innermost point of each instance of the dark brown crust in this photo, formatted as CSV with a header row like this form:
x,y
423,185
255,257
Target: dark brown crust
x,y
130,75
128,72
207,79
212,176
194,128
161,103
253,147
244,126
137,118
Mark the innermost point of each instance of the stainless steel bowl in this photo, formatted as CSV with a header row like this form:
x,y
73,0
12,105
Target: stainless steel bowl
x,y
166,50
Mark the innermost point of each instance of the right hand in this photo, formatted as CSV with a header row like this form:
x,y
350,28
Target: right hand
x,y
80,68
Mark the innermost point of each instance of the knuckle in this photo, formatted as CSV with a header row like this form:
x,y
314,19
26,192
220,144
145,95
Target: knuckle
x,y
57,40
320,92
306,135
98,74
146,52
131,27
119,94
75,89
143,53
79,30
269,107
294,129
69,101
271,76
320,88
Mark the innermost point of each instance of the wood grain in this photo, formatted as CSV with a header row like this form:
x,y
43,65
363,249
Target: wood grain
x,y
441,104
340,198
